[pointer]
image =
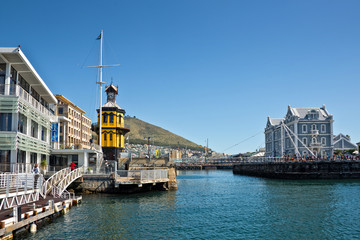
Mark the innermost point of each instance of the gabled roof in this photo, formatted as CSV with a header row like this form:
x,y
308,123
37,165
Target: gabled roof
x,y
341,142
276,121
303,113
273,122
340,136
111,87
21,64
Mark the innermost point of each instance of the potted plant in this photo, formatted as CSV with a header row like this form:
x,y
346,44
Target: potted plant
x,y
43,165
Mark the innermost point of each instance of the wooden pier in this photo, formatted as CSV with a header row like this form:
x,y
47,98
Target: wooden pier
x,y
21,217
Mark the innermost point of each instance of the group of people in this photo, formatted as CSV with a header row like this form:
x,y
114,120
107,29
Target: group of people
x,y
328,158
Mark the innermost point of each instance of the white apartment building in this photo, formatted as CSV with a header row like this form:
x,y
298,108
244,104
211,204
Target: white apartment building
x,y
26,112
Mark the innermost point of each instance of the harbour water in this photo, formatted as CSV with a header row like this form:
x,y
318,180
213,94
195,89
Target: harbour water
x,y
216,204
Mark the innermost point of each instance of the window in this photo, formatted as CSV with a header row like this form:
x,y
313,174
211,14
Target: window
x,y
43,133
34,129
304,140
323,128
33,158
313,140
313,127
60,110
5,121
111,118
110,136
304,128
5,160
119,118
104,136
22,123
105,118
323,141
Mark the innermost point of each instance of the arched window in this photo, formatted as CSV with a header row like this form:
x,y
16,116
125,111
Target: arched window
x,y
111,118
313,127
304,128
104,136
313,140
105,118
323,141
323,128
304,140
110,136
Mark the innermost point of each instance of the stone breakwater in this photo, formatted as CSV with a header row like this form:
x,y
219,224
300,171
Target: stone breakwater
x,y
301,170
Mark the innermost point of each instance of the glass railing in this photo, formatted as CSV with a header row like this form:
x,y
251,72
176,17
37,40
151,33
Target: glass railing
x,y
83,145
16,90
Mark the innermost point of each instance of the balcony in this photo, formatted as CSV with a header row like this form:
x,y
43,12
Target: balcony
x,y
79,146
317,144
16,90
314,132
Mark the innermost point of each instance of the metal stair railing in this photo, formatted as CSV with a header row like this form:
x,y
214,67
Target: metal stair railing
x,y
53,181
65,194
67,180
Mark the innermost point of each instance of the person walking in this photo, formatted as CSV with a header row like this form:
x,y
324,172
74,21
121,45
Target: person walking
x,y
72,166
36,169
36,172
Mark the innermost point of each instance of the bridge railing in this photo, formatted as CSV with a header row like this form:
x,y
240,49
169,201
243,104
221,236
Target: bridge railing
x,y
143,175
50,183
67,180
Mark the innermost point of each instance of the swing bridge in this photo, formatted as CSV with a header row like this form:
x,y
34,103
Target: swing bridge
x,y
23,188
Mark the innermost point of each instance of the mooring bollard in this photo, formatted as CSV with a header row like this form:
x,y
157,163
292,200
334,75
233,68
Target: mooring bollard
x,y
33,228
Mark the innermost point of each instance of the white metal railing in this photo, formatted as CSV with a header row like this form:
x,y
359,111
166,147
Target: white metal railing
x,y
67,180
143,175
16,90
16,167
53,181
65,194
13,184
19,189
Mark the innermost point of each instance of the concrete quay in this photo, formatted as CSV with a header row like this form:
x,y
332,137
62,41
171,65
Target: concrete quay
x,y
344,169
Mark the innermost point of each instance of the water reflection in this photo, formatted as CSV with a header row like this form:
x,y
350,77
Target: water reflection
x,y
216,204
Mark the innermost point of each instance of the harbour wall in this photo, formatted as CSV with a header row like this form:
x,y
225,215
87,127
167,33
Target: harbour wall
x,y
301,170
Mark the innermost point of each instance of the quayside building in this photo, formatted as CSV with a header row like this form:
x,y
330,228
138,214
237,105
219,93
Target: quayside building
x,y
27,111
113,126
303,132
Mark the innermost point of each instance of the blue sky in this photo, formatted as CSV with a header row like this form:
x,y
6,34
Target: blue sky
x,y
201,69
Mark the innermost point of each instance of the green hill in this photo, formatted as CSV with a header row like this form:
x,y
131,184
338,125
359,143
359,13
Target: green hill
x,y
159,136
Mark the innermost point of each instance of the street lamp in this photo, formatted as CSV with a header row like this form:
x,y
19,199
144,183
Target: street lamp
x,y
148,138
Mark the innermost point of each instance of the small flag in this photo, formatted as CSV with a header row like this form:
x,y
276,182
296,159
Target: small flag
x,y
99,37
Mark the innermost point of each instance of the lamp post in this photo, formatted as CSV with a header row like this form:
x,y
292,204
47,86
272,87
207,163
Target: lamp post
x,y
148,138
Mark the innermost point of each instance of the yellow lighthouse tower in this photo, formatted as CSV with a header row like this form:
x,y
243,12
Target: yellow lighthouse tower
x,y
113,128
